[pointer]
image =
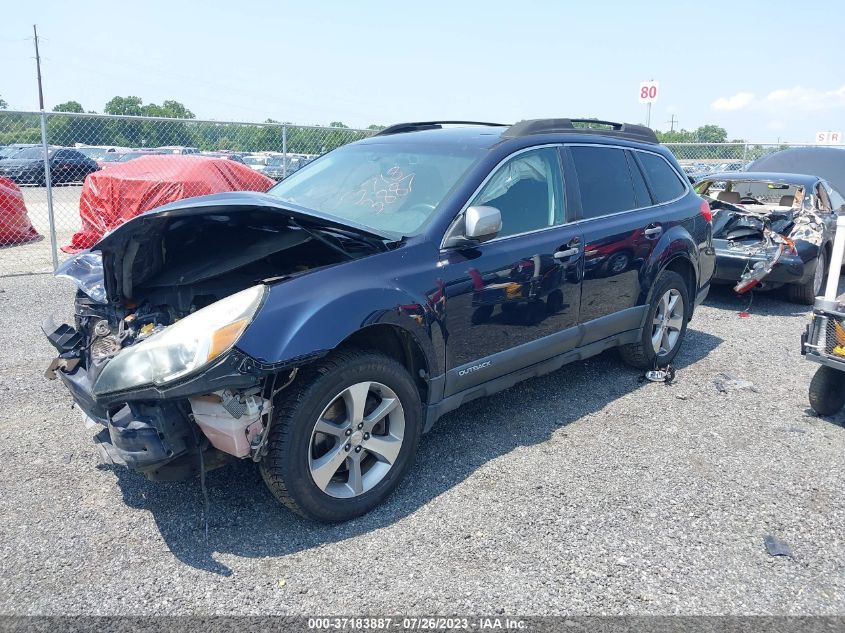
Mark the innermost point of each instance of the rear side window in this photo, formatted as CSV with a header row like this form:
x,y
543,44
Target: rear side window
x,y
665,182
604,180
640,188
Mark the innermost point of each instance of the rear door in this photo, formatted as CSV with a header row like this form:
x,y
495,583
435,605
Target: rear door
x,y
621,227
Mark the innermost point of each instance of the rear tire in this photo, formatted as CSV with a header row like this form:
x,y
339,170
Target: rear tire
x,y
325,463
806,293
665,333
827,391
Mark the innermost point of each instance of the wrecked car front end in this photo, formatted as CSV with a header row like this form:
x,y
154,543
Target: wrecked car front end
x,y
152,355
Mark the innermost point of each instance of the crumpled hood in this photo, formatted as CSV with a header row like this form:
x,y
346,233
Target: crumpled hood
x,y
132,252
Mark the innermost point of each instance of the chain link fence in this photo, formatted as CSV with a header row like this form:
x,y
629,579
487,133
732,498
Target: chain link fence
x,y
699,159
46,211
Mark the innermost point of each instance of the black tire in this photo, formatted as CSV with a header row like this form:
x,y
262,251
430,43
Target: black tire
x,y
482,314
806,293
827,391
554,302
642,354
285,468
617,263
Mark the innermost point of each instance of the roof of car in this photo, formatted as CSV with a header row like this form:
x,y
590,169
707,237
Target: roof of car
x,y
762,176
475,135
488,135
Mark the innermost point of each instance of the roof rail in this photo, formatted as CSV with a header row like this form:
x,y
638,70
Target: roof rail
x,y
609,128
416,126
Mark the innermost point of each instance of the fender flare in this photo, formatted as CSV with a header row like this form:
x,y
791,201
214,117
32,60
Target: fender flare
x,y
302,319
675,244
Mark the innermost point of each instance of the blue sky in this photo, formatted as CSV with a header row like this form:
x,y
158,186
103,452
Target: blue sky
x,y
763,70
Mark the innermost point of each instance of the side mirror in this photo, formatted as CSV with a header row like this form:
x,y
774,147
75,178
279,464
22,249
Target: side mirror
x,y
482,223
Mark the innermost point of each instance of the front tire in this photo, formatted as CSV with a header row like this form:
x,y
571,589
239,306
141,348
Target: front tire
x,y
665,326
827,390
343,436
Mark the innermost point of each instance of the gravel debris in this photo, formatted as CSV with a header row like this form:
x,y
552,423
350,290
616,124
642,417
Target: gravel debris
x,y
585,491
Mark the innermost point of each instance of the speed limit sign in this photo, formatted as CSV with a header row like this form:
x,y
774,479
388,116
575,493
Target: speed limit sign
x,y
648,91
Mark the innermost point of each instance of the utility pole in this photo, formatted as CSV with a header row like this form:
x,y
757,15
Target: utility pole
x,y
38,68
671,123
51,218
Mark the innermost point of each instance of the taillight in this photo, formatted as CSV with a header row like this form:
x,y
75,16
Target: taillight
x,y
705,211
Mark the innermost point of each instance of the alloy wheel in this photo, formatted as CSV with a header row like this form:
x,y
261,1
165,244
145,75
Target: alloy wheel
x,y
668,322
356,440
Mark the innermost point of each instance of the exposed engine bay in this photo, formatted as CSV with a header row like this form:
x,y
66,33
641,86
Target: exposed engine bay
x,y
148,276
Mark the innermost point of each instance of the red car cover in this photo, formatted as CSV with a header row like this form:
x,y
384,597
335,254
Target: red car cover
x,y
15,227
111,197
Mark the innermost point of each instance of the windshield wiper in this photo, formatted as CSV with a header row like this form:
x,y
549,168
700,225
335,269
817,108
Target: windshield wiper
x,y
320,234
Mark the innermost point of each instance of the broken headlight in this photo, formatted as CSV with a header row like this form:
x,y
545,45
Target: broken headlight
x,y
183,347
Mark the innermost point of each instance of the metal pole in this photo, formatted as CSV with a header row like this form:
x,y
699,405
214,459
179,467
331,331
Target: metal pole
x,y
648,115
284,151
48,182
836,257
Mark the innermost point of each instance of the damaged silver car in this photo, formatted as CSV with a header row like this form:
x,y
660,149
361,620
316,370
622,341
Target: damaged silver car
x,y
772,230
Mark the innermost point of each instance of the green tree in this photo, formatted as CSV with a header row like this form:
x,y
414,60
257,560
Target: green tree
x,y
711,134
126,106
69,106
168,109
3,104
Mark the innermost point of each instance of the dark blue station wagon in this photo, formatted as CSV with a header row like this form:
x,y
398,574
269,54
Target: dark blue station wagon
x,y
321,328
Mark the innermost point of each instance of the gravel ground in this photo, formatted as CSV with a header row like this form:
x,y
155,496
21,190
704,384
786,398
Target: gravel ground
x,y
582,492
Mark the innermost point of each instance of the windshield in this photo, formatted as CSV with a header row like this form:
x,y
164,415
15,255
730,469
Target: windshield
x,y
130,155
255,160
96,153
29,153
754,192
390,187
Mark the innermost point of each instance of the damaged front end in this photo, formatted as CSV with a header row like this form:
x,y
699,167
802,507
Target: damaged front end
x,y
152,355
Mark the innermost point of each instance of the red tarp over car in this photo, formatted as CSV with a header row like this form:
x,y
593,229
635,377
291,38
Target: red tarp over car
x,y
15,227
113,196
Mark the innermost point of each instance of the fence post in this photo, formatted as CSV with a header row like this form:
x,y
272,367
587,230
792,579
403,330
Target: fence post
x,y
284,151
745,152
49,184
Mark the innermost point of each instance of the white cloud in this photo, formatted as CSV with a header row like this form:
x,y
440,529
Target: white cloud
x,y
806,99
782,100
737,102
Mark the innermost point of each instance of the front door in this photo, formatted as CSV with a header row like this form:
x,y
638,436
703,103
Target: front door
x,y
510,301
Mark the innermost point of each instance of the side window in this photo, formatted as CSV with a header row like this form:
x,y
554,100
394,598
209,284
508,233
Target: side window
x,y
665,182
604,180
525,190
640,188
823,201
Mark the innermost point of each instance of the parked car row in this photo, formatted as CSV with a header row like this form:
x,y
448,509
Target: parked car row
x,y
24,163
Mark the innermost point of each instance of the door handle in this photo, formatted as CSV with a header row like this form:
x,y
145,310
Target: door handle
x,y
653,231
569,252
